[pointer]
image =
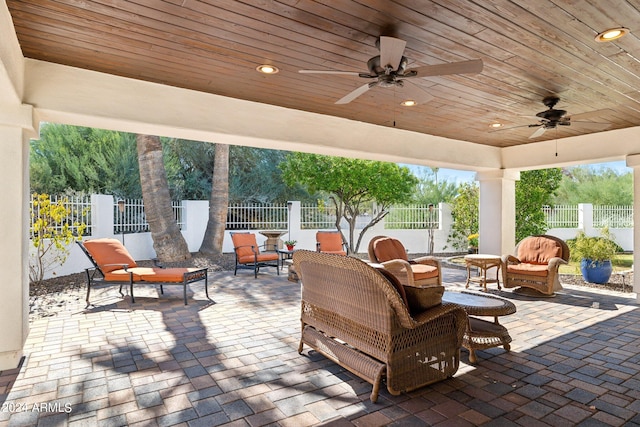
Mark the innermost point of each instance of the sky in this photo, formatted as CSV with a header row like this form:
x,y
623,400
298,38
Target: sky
x,y
460,176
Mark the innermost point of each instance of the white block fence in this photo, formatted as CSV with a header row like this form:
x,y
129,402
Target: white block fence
x,y
195,217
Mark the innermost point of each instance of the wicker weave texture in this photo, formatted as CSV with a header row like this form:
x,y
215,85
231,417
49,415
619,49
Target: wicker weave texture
x,y
546,285
345,299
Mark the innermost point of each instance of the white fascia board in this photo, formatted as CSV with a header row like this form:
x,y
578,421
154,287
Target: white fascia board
x,y
71,95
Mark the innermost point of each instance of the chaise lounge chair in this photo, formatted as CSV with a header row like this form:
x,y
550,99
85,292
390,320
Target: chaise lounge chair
x,y
113,264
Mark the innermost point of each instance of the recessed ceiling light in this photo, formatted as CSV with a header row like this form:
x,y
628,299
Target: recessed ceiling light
x,y
267,69
496,125
409,103
611,34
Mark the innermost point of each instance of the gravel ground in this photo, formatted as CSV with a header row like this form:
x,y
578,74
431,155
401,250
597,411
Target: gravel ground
x,y
52,295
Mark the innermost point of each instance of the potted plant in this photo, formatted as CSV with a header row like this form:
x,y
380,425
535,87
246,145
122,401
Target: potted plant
x,y
473,243
595,255
290,244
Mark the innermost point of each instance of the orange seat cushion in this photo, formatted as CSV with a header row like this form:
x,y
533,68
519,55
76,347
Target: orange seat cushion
x,y
388,248
149,274
245,244
109,254
528,269
249,259
538,250
330,242
421,271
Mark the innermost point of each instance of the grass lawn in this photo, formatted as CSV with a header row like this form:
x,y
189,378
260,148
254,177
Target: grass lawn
x,y
620,263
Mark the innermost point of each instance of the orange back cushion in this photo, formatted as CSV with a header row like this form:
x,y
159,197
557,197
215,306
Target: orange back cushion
x,y
538,250
388,248
243,243
109,251
329,241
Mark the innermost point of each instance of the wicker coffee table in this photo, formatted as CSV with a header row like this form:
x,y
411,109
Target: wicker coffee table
x,y
482,334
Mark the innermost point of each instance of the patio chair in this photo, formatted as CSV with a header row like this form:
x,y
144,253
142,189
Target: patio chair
x,y
534,268
392,255
330,242
248,254
112,263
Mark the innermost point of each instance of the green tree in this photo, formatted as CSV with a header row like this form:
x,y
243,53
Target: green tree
x,y
534,190
464,211
431,190
603,186
84,159
352,185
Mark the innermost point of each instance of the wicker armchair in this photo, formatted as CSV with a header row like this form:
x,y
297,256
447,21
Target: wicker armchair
x,y
423,271
355,316
534,268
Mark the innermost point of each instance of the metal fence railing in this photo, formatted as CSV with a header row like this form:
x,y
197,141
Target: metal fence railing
x,y
257,217
413,217
129,217
79,208
613,216
318,217
562,216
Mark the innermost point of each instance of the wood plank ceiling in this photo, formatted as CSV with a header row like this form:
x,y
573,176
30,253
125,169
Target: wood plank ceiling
x,y
530,49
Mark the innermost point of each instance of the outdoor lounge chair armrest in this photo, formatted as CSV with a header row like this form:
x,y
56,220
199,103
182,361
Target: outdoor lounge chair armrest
x,y
427,260
122,266
253,248
555,263
510,259
400,267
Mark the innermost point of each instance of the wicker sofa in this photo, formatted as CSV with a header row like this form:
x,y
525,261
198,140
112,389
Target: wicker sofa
x,y
358,317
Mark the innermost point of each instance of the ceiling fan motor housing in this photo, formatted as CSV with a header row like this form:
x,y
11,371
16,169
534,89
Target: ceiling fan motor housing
x,y
376,69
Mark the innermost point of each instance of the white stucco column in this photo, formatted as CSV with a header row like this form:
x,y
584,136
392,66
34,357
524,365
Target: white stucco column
x,y
14,242
497,211
633,161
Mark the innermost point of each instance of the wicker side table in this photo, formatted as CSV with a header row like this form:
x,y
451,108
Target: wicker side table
x,y
482,334
484,262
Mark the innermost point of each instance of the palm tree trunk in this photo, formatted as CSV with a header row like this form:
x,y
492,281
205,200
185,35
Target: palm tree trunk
x,y
168,241
218,203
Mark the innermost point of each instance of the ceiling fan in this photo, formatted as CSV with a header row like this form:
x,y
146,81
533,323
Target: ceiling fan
x,y
389,68
552,118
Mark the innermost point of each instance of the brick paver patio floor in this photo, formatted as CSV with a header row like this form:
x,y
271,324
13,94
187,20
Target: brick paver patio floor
x,y
574,360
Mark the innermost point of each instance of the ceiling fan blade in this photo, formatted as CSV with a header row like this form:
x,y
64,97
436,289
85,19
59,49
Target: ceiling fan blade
x,y
588,114
391,51
353,95
472,66
347,73
594,126
538,132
